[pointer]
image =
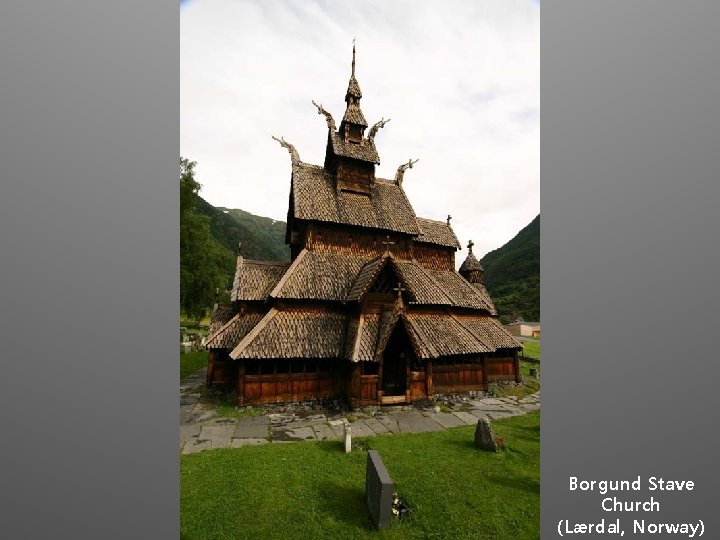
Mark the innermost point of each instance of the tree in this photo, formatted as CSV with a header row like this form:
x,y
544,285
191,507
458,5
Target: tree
x,y
204,264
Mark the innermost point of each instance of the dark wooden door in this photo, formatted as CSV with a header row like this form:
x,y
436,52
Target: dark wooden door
x,y
395,363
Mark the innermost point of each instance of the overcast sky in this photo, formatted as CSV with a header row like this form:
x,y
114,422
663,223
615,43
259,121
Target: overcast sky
x,y
459,80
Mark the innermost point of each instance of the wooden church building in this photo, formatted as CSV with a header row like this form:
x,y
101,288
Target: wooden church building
x,y
370,309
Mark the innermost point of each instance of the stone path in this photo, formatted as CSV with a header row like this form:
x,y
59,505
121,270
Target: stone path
x,y
202,429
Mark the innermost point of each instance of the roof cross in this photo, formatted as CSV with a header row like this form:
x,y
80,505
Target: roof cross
x,y
399,289
387,243
470,245
449,218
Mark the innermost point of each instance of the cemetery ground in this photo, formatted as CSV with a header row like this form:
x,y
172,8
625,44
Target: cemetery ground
x,y
312,489
315,490
192,362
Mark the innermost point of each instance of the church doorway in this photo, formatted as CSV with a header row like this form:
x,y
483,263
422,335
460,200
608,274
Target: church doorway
x,y
396,367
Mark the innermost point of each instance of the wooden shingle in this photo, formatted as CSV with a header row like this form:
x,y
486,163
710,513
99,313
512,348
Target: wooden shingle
x,y
436,232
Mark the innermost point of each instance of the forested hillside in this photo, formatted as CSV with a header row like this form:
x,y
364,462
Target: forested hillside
x,y
512,275
262,238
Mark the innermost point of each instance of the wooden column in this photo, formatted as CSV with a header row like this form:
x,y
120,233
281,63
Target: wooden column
x,y
317,377
379,383
516,364
485,373
407,378
240,383
428,378
355,386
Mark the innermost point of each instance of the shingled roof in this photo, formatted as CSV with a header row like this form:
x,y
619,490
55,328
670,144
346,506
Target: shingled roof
x,y
295,333
445,334
362,337
220,317
319,276
362,152
314,198
343,277
365,278
470,263
436,232
255,279
353,88
354,115
230,334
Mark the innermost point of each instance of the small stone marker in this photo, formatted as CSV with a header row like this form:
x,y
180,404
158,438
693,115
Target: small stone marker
x,y
484,436
348,439
534,373
378,491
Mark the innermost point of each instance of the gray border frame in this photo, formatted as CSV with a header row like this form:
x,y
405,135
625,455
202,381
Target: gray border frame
x,y
89,139
88,221
630,185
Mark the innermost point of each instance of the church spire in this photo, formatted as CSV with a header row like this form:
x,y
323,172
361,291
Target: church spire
x,y
353,123
353,61
351,156
471,269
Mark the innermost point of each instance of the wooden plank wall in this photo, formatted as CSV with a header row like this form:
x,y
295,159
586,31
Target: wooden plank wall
x,y
457,378
434,257
285,387
417,384
501,369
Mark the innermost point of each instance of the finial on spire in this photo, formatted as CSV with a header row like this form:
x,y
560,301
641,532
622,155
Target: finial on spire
x,y
470,245
239,248
353,60
448,219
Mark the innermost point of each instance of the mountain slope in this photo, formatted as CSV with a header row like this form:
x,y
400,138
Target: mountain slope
x,y
262,238
512,275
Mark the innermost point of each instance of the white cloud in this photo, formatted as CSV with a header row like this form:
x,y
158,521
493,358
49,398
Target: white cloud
x,y
460,81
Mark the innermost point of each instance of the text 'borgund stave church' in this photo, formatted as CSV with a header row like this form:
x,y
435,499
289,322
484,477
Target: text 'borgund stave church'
x,y
371,309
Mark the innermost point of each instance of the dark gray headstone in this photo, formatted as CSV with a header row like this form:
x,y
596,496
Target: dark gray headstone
x,y
484,436
378,491
534,373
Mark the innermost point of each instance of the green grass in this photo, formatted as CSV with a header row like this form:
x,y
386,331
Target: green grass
x,y
192,362
315,490
531,348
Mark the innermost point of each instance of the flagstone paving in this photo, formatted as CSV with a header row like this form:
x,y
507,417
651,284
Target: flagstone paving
x,y
202,429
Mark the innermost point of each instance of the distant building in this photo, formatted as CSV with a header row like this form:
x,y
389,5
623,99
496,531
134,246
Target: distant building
x,y
524,328
370,309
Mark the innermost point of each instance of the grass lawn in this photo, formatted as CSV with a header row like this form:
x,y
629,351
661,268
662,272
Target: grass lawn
x,y
531,348
315,490
192,362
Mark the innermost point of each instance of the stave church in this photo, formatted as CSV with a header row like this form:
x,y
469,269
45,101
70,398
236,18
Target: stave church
x,y
370,309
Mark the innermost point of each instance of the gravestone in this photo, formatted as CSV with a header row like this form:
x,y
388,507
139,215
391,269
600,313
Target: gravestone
x,y
534,373
378,491
348,439
484,436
